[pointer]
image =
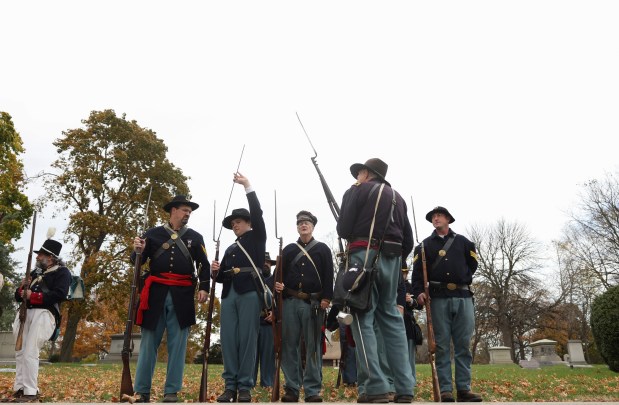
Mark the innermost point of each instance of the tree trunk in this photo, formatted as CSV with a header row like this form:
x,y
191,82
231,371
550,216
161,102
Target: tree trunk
x,y
70,331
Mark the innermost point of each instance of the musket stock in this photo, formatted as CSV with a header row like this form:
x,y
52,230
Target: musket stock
x,y
126,384
436,391
203,394
335,210
23,307
209,324
276,318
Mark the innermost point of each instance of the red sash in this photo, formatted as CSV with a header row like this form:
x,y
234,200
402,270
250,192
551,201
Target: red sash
x,y
183,280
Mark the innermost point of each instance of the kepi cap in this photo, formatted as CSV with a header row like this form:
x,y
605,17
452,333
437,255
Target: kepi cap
x,y
307,216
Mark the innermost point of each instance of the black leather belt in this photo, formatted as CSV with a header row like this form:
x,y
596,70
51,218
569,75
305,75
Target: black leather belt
x,y
449,286
302,295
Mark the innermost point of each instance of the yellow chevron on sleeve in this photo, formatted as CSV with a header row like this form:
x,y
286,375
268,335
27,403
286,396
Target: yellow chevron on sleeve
x,y
204,250
474,256
415,258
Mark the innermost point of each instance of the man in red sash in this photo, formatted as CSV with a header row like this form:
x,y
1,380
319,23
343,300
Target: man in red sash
x,y
167,299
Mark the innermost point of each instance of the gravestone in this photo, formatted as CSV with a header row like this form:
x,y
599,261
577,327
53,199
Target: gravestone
x,y
576,354
500,355
7,348
531,364
545,352
116,348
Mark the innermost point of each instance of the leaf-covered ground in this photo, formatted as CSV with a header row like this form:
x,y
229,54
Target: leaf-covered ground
x,y
505,383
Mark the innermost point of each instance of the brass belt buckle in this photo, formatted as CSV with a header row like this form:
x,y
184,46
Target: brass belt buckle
x,y
452,286
236,270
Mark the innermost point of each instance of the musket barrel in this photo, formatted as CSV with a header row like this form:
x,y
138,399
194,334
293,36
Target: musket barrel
x,y
23,308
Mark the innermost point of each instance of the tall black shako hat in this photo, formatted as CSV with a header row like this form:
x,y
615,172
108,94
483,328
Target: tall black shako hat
x,y
374,165
236,213
441,210
180,200
50,246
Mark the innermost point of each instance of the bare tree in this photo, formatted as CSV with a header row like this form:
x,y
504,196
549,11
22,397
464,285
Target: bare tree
x,y
508,259
592,235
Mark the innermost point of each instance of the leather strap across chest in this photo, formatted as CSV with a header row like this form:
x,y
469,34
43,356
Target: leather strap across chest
x,y
444,251
175,239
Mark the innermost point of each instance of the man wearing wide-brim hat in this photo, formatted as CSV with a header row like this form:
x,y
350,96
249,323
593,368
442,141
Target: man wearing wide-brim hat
x,y
376,229
47,287
240,272
451,261
177,256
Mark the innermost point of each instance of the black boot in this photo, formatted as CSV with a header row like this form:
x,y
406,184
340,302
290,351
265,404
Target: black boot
x,y
227,396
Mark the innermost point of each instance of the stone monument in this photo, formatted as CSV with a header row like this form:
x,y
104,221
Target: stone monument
x,y
7,348
544,351
500,355
576,354
532,364
116,348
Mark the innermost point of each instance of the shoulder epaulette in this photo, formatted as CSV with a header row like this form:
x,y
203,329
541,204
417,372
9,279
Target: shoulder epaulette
x,y
474,256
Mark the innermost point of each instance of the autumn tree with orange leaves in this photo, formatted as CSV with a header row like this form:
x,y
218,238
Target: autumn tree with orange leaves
x,y
102,179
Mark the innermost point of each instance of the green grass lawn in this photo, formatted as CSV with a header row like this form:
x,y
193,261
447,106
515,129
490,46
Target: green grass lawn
x,y
507,383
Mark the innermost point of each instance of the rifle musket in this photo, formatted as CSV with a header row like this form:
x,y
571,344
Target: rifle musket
x,y
230,196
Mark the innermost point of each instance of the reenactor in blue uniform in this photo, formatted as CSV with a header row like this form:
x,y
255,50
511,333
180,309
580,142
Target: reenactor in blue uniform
x,y
393,236
307,290
167,298
240,271
451,262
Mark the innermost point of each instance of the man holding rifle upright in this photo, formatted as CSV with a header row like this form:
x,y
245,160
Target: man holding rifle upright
x,y
242,296
43,291
452,261
167,299
308,288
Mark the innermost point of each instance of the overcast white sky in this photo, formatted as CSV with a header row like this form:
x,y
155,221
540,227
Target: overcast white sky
x,y
490,108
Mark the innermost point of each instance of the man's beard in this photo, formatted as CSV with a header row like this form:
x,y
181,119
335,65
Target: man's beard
x,y
43,265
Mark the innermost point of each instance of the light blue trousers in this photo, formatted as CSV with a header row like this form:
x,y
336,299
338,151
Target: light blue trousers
x,y
454,321
240,320
382,360
177,347
388,319
412,351
297,322
265,357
